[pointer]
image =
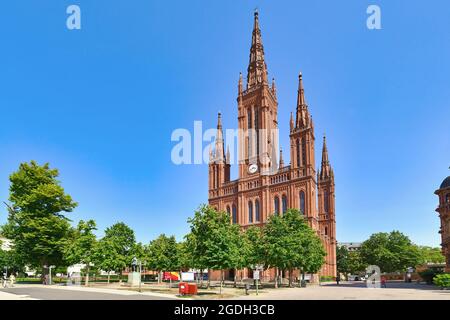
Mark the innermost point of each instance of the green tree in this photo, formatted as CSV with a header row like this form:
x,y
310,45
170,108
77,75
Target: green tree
x,y
431,255
214,240
291,244
391,252
36,222
81,246
355,263
114,251
342,263
163,254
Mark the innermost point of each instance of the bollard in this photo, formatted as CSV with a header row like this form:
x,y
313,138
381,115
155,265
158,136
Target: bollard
x,y
247,287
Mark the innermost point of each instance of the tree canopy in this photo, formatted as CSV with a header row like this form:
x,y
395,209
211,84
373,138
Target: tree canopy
x,y
36,221
392,251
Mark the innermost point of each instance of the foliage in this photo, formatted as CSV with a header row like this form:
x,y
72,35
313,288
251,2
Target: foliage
x,y
326,278
390,251
431,255
214,241
442,280
342,263
114,251
290,243
11,260
429,274
163,254
80,247
36,223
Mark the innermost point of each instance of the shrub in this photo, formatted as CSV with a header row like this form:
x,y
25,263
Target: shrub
x,y
326,278
442,280
429,274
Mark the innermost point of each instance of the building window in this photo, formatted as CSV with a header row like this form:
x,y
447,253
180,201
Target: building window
x,y
234,215
325,201
284,202
447,198
303,151
250,212
228,210
298,152
249,132
276,204
256,131
302,203
257,214
326,231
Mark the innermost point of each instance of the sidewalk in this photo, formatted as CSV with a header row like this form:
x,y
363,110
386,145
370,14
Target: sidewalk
x,y
122,292
10,296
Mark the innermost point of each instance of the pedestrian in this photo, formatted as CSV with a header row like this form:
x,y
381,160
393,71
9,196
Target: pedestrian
x,y
338,279
12,279
383,282
4,280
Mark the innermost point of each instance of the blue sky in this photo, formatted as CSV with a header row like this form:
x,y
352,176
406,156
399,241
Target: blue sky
x,y
100,103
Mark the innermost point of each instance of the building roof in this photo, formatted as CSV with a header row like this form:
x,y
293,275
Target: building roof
x,y
445,183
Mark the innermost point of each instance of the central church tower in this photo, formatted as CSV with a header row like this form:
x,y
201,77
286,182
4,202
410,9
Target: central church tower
x,y
257,113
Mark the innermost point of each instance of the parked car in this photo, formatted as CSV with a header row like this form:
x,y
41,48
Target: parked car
x,y
354,277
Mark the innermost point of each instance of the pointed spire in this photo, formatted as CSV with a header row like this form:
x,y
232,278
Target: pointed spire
x,y
303,118
326,171
281,159
220,148
240,87
291,122
257,69
227,160
274,87
324,151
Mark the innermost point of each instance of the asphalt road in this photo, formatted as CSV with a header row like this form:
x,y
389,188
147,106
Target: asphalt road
x,y
52,294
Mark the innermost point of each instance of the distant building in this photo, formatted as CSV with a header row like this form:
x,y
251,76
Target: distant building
x,y
351,246
6,244
444,214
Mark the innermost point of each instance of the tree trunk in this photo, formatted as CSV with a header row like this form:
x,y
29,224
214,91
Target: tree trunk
x,y
221,280
235,278
290,278
209,279
109,275
276,278
87,277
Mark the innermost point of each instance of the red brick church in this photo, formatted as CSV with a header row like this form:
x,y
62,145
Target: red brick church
x,y
267,186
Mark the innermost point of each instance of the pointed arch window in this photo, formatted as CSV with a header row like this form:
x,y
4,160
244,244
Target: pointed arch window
x,y
228,210
325,201
250,212
298,152
303,151
276,203
302,202
284,203
257,213
326,231
234,214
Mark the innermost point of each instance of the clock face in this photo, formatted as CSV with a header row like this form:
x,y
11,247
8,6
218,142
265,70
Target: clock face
x,y
252,168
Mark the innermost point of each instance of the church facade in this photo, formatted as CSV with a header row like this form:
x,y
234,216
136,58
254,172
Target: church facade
x,y
265,185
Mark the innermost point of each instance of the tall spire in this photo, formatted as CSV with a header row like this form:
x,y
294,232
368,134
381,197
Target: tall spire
x,y
220,147
325,170
302,108
281,159
240,89
257,68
